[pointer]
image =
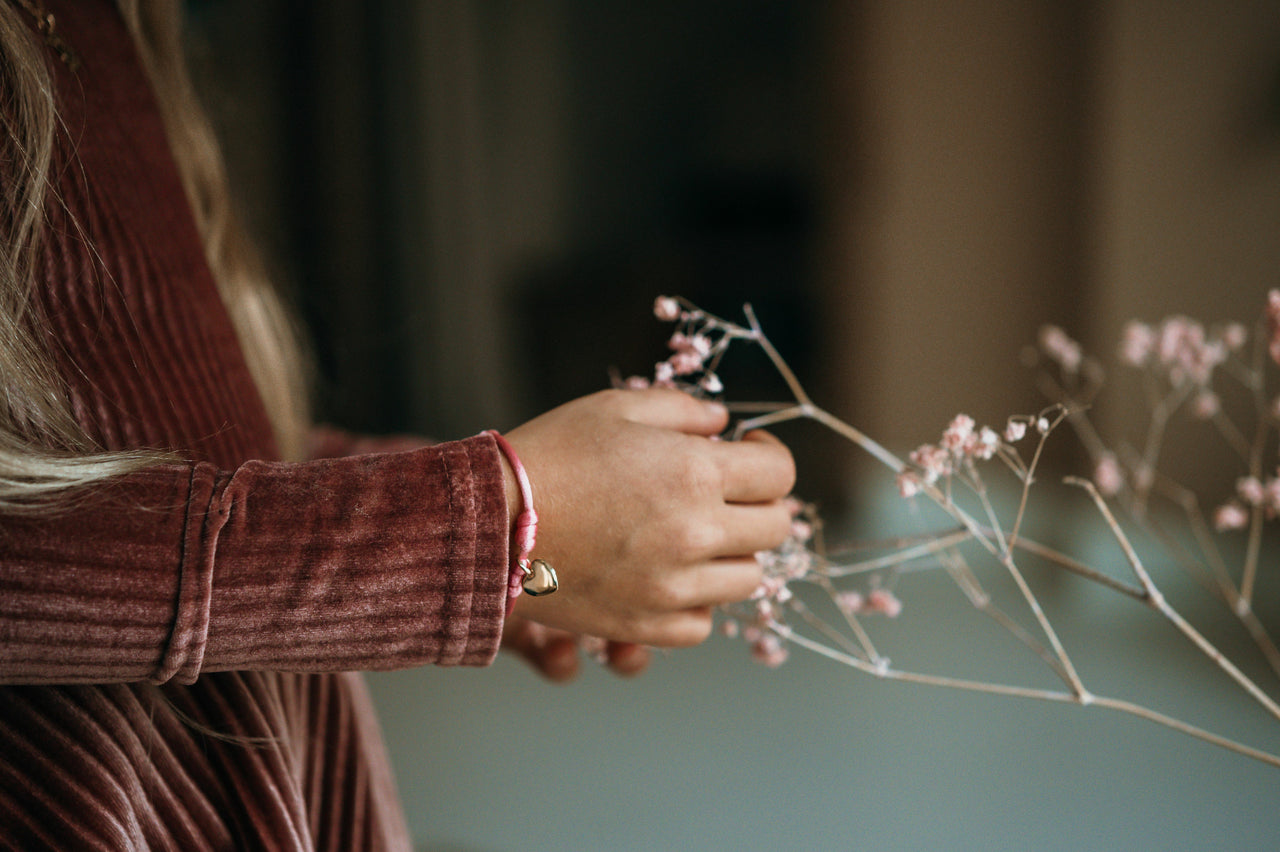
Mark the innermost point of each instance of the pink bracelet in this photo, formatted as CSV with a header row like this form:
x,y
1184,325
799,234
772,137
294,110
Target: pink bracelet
x,y
536,576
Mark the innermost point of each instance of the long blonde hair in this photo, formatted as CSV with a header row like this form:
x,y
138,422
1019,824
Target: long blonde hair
x,y
43,450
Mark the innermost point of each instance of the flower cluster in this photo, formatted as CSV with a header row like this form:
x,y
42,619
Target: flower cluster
x,y
1182,363
874,602
791,561
1187,356
962,444
1251,493
697,345
1181,349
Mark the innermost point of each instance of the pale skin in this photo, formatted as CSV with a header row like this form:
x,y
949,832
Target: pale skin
x,y
650,523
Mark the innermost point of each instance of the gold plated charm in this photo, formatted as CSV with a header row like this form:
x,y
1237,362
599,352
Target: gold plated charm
x,y
539,578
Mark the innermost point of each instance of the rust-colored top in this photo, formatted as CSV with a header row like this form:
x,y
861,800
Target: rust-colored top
x,y
226,588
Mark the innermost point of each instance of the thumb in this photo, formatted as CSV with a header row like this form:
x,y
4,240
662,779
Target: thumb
x,y
675,410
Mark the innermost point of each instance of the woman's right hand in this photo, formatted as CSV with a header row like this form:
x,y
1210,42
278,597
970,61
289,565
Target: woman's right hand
x,y
648,521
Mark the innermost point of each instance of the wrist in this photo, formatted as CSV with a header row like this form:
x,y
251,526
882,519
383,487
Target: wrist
x,y
511,485
534,576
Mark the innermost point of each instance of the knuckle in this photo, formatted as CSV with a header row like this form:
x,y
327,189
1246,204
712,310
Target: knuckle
x,y
664,595
698,475
694,542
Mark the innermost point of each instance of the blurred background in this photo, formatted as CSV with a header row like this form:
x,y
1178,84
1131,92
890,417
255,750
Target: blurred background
x,y
473,204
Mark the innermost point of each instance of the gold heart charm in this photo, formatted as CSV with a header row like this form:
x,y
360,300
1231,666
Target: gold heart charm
x,y
539,578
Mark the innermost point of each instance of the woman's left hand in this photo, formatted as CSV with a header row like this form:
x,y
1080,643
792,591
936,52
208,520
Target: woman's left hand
x,y
555,654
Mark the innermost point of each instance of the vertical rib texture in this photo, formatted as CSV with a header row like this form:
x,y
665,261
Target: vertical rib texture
x,y
172,645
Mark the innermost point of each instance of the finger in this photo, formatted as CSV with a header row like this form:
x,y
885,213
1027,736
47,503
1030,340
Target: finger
x,y
558,660
676,630
715,583
627,659
757,469
745,529
675,410
551,653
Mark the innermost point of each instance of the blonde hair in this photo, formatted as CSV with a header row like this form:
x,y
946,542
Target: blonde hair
x,y
44,452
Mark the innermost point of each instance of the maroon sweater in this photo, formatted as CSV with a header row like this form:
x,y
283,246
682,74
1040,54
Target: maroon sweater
x,y
219,593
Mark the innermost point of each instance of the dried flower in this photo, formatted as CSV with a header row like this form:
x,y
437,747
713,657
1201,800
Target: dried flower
x,y
1178,351
768,649
1250,490
883,602
1061,348
1108,476
1184,351
666,308
935,462
909,484
984,444
956,434
1234,336
1206,404
1230,516
1136,343
850,602
685,362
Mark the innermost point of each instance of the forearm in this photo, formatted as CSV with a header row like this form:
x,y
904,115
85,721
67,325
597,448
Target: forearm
x,y
377,561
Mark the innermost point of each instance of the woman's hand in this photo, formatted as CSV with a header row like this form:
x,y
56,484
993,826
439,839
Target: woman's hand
x,y
554,654
648,522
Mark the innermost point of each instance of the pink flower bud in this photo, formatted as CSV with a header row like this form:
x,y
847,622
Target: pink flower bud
x,y
1015,430
956,434
1205,405
1230,516
666,308
685,361
1061,348
1136,343
984,444
908,484
1108,476
768,649
850,602
1234,336
884,602
1250,490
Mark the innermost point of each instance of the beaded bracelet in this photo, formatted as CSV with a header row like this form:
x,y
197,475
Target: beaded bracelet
x,y
536,576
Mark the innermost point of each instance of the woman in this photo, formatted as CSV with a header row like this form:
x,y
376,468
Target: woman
x,y
185,586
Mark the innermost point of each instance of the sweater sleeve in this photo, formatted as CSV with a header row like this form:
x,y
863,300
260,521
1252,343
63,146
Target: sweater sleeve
x,y
376,561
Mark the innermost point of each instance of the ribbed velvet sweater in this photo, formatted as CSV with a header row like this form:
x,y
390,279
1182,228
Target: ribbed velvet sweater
x,y
225,592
